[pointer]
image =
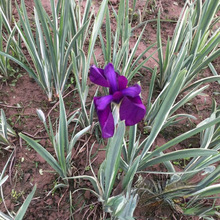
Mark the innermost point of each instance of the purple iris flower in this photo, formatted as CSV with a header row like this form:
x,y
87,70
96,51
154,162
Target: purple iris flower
x,y
131,108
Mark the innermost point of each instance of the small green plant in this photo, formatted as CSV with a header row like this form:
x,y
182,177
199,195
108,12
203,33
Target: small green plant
x,y
16,195
60,141
5,130
151,4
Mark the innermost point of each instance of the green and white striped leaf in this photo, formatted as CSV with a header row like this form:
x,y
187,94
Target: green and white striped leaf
x,y
44,154
21,212
180,154
62,136
208,191
113,159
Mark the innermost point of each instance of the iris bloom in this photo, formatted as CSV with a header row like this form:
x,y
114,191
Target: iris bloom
x,y
127,99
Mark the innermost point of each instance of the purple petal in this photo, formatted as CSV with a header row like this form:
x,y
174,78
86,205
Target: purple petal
x,y
132,91
122,82
111,77
117,96
106,121
102,102
97,76
132,110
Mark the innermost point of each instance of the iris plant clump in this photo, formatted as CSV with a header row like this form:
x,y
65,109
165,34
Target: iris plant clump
x,y
127,102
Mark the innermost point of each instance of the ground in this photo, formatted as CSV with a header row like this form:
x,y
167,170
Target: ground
x,y
20,97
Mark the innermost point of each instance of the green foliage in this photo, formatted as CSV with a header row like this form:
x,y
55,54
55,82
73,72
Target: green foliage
x,y
7,37
137,157
5,130
133,163
179,184
49,47
6,9
81,58
60,141
22,210
116,49
193,46
184,53
120,206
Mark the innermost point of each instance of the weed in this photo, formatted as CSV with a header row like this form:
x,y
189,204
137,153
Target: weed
x,y
16,195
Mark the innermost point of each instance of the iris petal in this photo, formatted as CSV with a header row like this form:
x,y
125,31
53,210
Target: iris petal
x,y
102,102
111,77
117,96
97,76
122,82
132,91
106,121
132,110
